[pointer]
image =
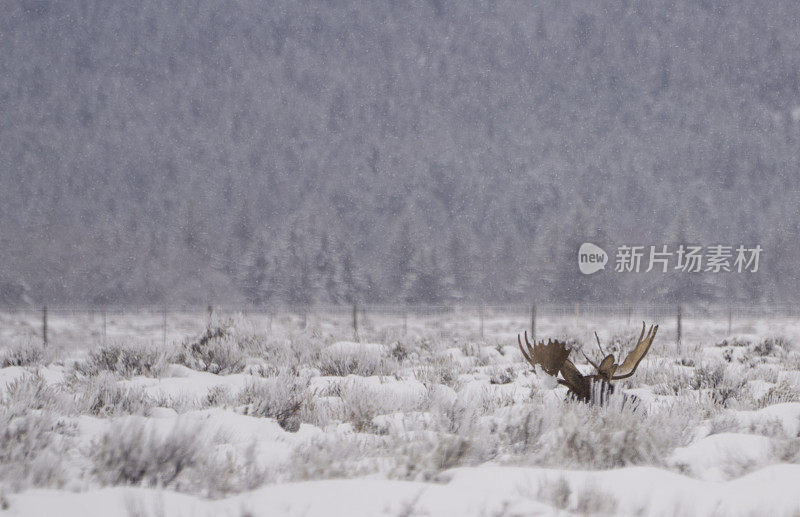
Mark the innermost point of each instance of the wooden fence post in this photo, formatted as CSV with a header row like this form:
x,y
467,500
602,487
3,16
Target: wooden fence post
x,y
104,327
44,324
481,318
678,332
164,326
533,323
355,321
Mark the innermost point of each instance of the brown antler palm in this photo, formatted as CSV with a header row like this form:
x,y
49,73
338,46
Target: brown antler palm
x,y
550,356
608,370
553,358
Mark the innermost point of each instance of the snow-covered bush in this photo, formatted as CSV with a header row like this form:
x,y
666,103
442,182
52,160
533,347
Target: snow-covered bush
x,y
427,455
440,369
772,345
519,429
363,400
31,450
360,405
23,353
217,351
501,375
334,456
126,359
587,500
610,435
280,397
778,394
722,384
103,396
347,358
32,392
131,454
220,395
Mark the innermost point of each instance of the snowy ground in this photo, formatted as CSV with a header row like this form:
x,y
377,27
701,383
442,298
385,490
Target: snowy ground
x,y
417,417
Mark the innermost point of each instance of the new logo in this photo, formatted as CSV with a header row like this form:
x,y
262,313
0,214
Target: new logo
x,y
591,258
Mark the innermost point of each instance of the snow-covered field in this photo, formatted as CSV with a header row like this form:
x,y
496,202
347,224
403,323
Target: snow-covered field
x,y
252,415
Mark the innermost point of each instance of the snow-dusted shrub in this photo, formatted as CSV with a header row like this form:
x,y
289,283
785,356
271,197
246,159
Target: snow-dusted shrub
x,y
707,376
408,457
610,435
400,352
587,501
773,345
501,375
183,458
723,386
279,397
786,451
31,450
217,351
125,359
226,473
441,369
666,378
764,372
734,341
334,456
360,405
781,392
262,370
23,353
489,400
426,456
771,428
593,501
131,454
219,395
102,396
31,391
519,429
363,400
347,358
555,492
725,423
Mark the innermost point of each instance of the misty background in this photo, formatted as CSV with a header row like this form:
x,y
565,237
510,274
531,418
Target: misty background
x,y
396,152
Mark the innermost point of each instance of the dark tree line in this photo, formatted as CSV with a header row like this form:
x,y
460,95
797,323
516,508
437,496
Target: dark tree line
x,y
398,151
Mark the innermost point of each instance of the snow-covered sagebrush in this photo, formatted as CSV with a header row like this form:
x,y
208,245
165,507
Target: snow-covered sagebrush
x,y
243,417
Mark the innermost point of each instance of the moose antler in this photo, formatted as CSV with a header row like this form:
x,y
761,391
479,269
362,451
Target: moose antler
x,y
610,371
550,357
553,357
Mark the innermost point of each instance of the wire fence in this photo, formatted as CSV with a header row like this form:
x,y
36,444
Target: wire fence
x,y
73,326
